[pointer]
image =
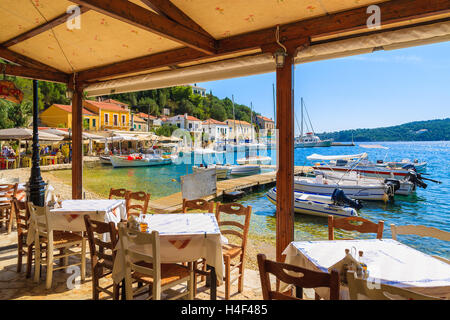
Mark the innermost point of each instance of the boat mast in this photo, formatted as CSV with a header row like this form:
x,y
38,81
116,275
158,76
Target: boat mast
x,y
234,121
301,130
251,121
274,104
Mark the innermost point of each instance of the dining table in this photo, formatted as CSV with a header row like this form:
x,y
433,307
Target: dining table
x,y
388,262
69,215
183,238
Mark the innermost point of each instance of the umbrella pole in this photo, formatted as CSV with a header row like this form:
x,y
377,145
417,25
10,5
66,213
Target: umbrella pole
x,y
36,185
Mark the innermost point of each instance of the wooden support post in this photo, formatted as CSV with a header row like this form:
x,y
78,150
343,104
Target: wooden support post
x,y
77,143
285,154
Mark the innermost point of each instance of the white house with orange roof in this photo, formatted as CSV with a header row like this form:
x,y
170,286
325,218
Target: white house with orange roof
x,y
215,130
241,130
187,122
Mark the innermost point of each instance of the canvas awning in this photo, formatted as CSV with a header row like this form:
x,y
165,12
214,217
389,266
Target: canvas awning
x,y
316,156
26,134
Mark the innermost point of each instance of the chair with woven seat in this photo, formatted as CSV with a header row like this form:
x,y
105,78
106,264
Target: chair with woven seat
x,y
299,277
232,251
134,208
102,238
54,240
148,268
22,217
421,231
354,224
359,289
7,194
198,204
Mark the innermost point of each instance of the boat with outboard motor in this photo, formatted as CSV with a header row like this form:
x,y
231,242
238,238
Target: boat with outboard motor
x,y
337,204
245,170
140,160
420,166
255,160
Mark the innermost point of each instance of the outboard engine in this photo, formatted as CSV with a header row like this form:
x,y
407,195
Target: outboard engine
x,y
415,178
339,198
392,185
409,167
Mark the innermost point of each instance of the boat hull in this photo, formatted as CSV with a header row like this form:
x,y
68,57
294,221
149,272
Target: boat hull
x,y
319,206
245,170
352,190
105,160
119,162
324,143
255,160
376,172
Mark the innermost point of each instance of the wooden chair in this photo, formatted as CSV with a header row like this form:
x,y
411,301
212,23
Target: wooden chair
x,y
22,217
148,268
7,194
103,255
423,232
118,193
363,226
54,240
136,209
303,279
232,251
198,204
358,287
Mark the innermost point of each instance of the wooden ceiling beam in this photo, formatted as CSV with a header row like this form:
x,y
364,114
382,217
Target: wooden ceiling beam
x,y
167,9
32,73
355,19
40,29
24,61
133,14
391,11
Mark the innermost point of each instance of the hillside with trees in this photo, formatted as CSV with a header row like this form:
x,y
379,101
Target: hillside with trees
x,y
431,130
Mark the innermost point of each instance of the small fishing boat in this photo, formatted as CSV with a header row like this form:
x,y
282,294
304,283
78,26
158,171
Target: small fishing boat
x,y
405,187
144,160
255,160
404,163
222,171
104,159
245,170
322,206
360,190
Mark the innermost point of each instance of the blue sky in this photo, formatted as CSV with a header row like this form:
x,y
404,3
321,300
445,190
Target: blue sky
x,y
383,88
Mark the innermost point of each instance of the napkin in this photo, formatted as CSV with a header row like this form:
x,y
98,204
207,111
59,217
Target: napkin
x,y
348,263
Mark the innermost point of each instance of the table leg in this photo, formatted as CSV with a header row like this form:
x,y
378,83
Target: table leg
x,y
211,281
299,292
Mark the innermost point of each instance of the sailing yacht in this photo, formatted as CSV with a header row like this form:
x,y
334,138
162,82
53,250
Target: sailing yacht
x,y
309,140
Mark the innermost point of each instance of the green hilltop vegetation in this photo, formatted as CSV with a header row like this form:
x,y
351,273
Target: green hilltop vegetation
x,y
430,130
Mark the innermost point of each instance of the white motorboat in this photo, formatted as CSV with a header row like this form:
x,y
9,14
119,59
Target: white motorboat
x,y
360,190
406,187
255,160
322,206
245,170
104,159
144,160
222,171
420,166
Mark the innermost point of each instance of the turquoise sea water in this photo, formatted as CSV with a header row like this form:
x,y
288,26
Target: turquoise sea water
x,y
429,207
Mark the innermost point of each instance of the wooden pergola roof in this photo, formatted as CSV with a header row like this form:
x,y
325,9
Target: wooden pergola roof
x,y
120,38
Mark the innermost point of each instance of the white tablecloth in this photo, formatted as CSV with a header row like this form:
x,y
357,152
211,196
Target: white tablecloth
x,y
70,216
388,261
183,237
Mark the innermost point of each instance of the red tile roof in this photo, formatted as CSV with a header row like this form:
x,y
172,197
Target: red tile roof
x,y
115,102
238,122
214,121
265,118
69,109
105,106
139,119
144,116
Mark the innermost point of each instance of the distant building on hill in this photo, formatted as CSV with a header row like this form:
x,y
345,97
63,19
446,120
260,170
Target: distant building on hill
x,y
215,130
198,90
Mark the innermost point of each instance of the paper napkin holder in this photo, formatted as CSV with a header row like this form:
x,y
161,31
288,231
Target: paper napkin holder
x,y
348,263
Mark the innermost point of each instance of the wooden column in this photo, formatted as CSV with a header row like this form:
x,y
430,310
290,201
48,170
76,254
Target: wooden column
x,y
77,143
285,155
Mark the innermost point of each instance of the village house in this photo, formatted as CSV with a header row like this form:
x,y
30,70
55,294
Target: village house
x,y
110,115
215,130
240,130
265,123
60,116
187,122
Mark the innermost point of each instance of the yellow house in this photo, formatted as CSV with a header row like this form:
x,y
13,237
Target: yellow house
x,y
60,115
111,115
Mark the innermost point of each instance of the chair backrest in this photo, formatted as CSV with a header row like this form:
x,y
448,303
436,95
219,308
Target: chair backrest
x,y
9,191
118,193
98,248
198,204
354,224
230,226
131,241
40,219
358,287
299,277
22,216
137,209
420,231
